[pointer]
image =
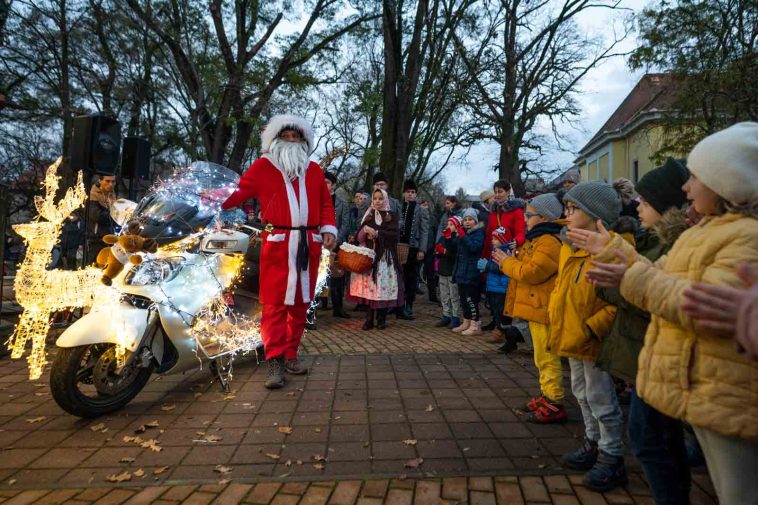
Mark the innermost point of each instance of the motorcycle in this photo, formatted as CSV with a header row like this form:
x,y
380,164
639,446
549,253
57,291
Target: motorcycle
x,y
170,313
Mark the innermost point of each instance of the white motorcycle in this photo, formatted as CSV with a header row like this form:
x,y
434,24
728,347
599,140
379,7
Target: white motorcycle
x,y
169,314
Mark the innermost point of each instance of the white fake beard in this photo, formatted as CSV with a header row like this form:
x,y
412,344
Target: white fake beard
x,y
292,157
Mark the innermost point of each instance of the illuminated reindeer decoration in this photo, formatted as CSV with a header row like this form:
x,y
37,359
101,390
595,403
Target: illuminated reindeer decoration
x,y
40,291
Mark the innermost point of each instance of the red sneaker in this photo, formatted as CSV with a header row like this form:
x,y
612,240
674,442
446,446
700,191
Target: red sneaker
x,y
534,404
548,412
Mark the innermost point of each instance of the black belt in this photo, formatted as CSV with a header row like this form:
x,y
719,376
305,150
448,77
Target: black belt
x,y
302,247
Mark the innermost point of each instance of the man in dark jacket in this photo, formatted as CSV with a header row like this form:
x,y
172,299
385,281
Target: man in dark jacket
x,y
414,231
342,210
99,222
72,236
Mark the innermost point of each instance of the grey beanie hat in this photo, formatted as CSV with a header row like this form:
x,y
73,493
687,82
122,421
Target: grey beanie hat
x,y
472,213
597,199
547,206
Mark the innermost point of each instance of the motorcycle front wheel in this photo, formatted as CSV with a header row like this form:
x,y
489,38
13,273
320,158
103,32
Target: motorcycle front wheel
x,y
85,380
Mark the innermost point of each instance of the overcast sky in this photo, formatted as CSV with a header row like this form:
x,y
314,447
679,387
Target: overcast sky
x,y
603,89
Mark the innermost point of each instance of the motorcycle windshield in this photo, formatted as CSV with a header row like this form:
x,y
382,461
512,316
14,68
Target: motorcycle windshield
x,y
186,202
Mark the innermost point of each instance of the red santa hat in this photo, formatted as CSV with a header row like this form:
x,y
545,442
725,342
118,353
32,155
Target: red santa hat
x,y
456,221
286,122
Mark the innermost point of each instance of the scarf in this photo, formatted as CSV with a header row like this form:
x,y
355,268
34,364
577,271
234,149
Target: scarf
x,y
377,213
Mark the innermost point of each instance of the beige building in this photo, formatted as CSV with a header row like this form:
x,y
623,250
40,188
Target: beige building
x,y
625,144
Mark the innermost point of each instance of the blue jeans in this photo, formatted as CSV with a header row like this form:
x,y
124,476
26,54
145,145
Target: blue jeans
x,y
658,444
596,396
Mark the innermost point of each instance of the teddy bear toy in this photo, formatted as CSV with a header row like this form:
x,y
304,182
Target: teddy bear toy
x,y
123,251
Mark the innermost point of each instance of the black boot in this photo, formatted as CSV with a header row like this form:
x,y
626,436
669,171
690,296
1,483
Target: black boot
x,y
369,323
489,326
381,319
405,313
275,373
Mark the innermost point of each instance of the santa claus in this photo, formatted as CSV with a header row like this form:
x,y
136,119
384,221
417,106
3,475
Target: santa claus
x,y
298,213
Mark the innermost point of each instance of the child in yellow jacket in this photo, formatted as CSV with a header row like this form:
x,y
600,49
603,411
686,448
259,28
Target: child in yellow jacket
x,y
579,319
687,370
532,271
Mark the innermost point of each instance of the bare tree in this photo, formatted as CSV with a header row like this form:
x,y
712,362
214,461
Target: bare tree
x,y
526,64
421,91
230,78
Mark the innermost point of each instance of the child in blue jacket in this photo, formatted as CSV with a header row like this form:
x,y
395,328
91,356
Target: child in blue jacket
x,y
497,283
468,241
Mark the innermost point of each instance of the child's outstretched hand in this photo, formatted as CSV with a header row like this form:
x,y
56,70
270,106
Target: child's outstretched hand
x,y
591,241
499,256
608,275
719,307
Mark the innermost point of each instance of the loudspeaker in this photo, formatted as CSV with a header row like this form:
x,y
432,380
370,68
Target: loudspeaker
x,y
135,158
95,144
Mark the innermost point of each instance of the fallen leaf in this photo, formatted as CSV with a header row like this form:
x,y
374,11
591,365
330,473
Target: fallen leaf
x,y
288,462
121,477
230,397
152,424
198,395
317,430
136,440
152,444
41,393
287,430
141,429
318,457
167,407
213,438
272,455
365,444
291,393
160,470
222,469
429,408
410,442
284,475
12,481
139,473
224,482
36,419
99,427
318,466
299,462
541,466
414,463
126,460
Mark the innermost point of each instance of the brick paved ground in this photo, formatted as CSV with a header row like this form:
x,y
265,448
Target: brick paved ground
x,y
359,414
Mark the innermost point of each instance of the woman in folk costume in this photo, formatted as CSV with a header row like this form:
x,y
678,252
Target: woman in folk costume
x,y
298,213
381,288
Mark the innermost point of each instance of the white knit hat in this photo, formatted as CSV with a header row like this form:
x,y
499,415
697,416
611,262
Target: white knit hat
x,y
727,162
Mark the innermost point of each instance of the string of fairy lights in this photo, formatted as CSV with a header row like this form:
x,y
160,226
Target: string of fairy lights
x,y
216,327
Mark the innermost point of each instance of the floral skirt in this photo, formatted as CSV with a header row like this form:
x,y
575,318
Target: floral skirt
x,y
386,292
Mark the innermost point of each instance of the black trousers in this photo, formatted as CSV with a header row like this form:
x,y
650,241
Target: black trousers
x,y
410,276
431,275
470,296
337,292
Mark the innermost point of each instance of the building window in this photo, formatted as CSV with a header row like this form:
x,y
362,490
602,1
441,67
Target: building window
x,y
635,170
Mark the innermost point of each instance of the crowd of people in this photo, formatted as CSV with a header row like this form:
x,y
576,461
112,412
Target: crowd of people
x,y
650,284
653,284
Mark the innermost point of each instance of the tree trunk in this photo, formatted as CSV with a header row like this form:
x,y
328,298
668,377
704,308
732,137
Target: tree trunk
x,y
392,62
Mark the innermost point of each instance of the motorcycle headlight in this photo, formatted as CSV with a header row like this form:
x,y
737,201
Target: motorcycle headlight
x,y
154,271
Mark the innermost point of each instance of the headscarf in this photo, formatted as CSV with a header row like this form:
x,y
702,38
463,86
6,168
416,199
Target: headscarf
x,y
377,213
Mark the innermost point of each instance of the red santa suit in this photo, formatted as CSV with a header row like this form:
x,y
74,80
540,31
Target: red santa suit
x,y
295,212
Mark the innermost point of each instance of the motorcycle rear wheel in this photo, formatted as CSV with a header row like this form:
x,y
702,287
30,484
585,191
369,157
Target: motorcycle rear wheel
x,y
84,380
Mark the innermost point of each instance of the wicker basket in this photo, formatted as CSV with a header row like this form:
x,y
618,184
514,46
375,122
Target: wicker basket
x,y
402,252
356,259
